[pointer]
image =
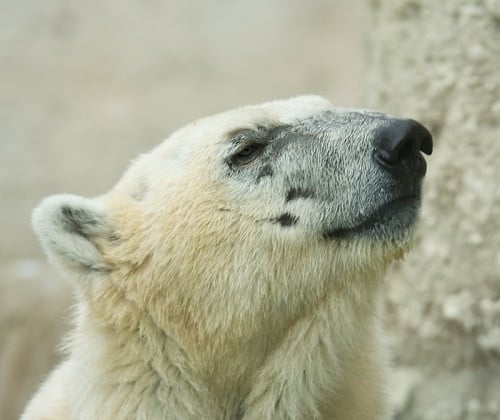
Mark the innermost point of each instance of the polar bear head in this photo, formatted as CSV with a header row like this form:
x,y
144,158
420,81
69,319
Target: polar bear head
x,y
244,216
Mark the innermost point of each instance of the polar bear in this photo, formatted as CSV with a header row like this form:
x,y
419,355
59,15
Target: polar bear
x,y
234,272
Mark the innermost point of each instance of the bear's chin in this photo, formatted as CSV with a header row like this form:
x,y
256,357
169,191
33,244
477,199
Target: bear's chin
x,y
392,222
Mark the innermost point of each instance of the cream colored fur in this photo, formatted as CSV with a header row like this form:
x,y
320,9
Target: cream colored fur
x,y
192,307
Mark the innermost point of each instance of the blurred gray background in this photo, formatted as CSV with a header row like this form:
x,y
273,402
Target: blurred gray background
x,y
86,86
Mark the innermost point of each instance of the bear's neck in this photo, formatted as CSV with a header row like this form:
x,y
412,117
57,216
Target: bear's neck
x,y
226,367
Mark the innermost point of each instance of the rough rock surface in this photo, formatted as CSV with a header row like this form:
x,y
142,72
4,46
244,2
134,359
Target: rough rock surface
x,y
439,62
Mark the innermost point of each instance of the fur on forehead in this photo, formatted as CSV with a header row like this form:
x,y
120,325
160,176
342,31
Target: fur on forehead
x,y
212,128
284,111
174,154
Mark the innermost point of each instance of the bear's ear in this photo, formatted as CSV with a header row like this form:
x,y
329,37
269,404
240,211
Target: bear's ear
x,y
69,228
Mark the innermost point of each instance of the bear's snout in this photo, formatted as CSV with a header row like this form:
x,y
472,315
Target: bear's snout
x,y
398,144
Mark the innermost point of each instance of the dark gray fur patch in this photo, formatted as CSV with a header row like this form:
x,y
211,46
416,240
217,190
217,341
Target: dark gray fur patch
x,y
265,171
79,221
336,234
286,220
296,193
114,238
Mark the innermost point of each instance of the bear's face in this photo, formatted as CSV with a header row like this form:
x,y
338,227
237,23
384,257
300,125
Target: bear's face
x,y
241,214
315,178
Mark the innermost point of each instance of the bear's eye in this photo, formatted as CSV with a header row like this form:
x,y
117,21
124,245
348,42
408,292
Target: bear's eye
x,y
246,153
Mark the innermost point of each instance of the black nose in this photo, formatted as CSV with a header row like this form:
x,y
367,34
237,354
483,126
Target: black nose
x,y
398,145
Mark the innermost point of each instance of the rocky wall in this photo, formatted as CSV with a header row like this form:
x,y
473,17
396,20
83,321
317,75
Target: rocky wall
x,y
439,62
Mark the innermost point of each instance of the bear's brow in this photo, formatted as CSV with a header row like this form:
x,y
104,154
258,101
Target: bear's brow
x,y
262,132
240,133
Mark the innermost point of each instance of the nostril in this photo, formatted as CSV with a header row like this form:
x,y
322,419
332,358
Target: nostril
x,y
407,150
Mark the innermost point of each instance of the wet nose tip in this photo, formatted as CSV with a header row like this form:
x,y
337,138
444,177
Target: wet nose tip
x,y
401,141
